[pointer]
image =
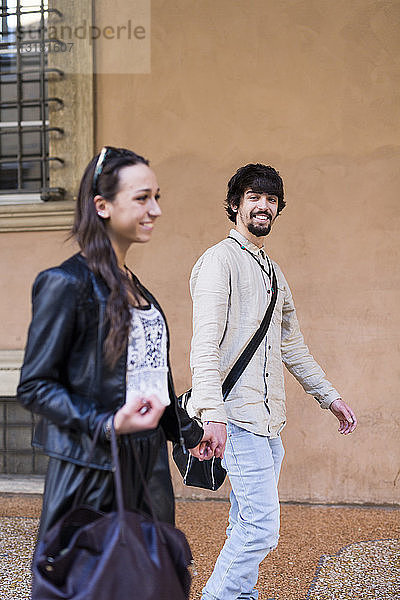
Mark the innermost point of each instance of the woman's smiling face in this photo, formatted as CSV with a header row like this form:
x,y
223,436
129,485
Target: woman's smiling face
x,y
131,215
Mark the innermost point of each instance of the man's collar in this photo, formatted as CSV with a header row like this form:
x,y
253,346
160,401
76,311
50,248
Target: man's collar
x,y
246,243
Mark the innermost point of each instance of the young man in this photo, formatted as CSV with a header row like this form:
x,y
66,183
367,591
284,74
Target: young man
x,y
231,289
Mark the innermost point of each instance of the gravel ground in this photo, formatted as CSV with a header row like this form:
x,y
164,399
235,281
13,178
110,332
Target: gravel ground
x,y
372,570
17,537
325,553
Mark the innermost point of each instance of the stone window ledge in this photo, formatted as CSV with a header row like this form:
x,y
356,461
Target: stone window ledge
x,y
46,216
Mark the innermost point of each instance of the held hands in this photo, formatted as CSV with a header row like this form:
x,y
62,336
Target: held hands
x,y
347,419
138,414
213,442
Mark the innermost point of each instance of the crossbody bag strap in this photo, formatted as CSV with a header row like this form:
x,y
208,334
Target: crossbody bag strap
x,y
248,353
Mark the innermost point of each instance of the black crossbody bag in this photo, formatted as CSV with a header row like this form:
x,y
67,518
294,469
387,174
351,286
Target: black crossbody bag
x,y
210,474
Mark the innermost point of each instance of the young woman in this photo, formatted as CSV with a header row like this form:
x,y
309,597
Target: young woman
x,y
97,351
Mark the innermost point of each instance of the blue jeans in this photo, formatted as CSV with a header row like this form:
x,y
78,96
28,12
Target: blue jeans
x,y
253,463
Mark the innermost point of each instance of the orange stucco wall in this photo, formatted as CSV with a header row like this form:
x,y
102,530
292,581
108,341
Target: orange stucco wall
x,y
313,89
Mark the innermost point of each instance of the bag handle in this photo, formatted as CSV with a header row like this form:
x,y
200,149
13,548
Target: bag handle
x,y
117,478
116,475
118,481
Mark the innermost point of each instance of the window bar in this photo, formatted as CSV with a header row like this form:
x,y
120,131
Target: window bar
x,y
34,102
4,29
44,165
6,13
33,72
18,35
34,159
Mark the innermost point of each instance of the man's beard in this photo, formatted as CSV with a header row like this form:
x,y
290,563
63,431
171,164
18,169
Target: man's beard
x,y
259,230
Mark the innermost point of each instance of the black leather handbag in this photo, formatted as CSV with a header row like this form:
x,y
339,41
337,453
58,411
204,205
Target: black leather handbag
x,y
210,474
90,555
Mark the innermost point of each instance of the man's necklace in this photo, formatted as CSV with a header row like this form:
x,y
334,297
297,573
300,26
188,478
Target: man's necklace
x,y
269,272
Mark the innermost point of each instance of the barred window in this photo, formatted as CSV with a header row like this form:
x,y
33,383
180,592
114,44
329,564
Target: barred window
x,y
25,106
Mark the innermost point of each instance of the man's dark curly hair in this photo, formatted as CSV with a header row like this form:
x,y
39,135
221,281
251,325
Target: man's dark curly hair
x,y
262,179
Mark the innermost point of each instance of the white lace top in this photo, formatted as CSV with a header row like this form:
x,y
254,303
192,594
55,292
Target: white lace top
x,y
147,367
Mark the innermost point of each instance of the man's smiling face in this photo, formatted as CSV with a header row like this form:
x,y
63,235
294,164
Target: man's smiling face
x,y
257,212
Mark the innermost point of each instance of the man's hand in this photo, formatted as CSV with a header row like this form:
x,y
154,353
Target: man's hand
x,y
347,419
213,442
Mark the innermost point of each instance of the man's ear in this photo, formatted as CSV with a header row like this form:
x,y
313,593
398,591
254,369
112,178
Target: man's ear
x,y
101,206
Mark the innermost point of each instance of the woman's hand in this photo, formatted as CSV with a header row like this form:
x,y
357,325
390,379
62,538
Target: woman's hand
x,y
138,414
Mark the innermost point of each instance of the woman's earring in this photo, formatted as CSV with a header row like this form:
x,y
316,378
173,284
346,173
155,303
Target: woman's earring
x,y
100,213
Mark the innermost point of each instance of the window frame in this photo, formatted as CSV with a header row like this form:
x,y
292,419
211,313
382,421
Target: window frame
x,y
76,118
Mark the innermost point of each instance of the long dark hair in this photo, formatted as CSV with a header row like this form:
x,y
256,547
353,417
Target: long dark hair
x,y
90,232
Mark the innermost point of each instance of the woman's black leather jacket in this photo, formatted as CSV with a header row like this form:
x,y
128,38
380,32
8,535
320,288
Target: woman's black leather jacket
x,y
64,378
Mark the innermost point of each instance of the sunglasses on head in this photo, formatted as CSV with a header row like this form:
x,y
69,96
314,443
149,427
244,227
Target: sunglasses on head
x,y
105,153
